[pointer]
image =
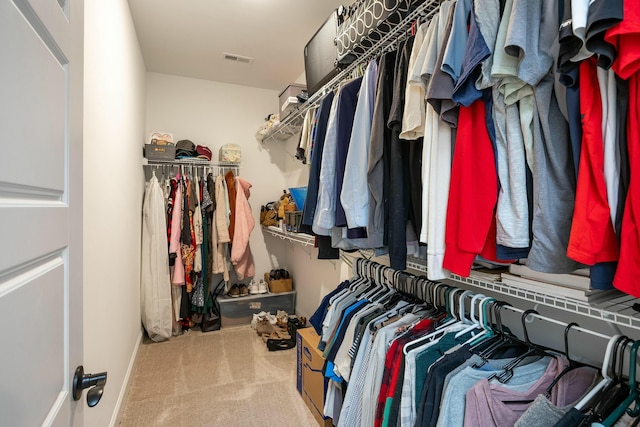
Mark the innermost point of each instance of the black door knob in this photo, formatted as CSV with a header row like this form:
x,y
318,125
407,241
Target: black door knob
x,y
95,383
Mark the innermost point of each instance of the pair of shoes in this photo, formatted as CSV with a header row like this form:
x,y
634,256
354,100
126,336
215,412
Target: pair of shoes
x,y
238,290
243,289
277,274
262,287
234,292
254,288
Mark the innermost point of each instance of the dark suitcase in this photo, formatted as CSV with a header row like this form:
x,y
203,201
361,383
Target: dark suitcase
x,y
321,55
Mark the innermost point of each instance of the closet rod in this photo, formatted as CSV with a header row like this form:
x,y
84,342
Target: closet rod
x,y
219,166
364,267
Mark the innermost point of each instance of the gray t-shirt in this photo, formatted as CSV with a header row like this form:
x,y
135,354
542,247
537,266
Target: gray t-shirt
x,y
454,396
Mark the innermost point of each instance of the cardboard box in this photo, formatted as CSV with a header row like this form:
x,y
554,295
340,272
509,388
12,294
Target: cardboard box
x,y
285,106
278,286
311,384
240,310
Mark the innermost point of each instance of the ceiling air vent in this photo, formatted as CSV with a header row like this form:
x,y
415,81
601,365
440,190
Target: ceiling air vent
x,y
237,58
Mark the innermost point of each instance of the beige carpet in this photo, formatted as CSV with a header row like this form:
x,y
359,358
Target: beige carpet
x,y
223,378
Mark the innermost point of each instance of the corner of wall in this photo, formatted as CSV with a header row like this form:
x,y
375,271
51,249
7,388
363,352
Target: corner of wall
x,y
126,383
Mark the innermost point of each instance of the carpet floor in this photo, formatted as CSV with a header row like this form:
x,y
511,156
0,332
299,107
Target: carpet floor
x,y
223,378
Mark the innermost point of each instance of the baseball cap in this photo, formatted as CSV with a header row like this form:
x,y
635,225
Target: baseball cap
x,y
203,152
185,148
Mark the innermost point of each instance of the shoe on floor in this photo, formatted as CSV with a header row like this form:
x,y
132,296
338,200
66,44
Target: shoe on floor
x,y
234,292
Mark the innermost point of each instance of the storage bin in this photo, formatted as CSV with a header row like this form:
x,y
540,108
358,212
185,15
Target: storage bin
x,y
293,220
230,153
299,195
240,310
160,152
278,286
291,91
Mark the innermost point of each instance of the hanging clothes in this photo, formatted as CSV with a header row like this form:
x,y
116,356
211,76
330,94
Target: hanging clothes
x,y
241,256
220,230
155,295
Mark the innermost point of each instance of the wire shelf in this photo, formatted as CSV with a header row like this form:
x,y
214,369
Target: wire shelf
x,y
291,124
617,310
301,238
191,161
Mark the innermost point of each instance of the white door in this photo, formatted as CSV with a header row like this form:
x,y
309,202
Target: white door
x,y
41,44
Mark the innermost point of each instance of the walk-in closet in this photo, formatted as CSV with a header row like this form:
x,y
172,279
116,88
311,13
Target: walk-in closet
x,y
336,213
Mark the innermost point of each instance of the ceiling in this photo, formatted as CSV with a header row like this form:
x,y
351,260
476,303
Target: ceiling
x,y
189,37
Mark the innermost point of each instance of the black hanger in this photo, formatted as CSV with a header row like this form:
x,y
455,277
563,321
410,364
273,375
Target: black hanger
x,y
534,350
572,363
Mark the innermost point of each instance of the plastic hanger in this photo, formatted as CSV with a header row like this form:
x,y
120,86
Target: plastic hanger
x,y
534,350
475,324
572,364
616,391
501,339
633,397
487,331
606,379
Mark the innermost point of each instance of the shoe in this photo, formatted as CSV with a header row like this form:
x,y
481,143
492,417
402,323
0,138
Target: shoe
x,y
263,326
234,292
284,274
243,290
262,287
253,287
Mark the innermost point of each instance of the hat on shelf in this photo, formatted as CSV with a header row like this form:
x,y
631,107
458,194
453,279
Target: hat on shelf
x,y
203,152
185,148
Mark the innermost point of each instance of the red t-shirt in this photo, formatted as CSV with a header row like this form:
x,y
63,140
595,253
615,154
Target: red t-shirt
x,y
473,192
626,38
592,238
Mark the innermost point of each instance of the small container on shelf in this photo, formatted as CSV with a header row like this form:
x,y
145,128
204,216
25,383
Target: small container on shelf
x,y
277,286
230,153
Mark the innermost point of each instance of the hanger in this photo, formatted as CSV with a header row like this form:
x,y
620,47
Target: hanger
x,y
572,364
634,396
615,392
475,323
501,339
534,350
606,379
487,332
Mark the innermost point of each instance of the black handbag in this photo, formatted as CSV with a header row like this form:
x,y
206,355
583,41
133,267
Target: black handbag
x,y
212,319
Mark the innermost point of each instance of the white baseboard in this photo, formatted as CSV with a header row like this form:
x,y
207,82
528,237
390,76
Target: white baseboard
x,y
124,391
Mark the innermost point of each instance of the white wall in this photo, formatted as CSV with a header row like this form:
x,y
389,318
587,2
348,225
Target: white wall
x,y
114,102
213,114
313,278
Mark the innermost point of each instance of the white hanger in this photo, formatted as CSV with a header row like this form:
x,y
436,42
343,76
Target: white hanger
x,y
475,324
481,322
461,307
606,379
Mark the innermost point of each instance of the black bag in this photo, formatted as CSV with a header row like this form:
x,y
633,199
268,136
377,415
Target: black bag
x,y
212,320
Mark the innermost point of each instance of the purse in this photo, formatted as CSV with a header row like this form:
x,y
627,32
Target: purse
x,y
212,319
